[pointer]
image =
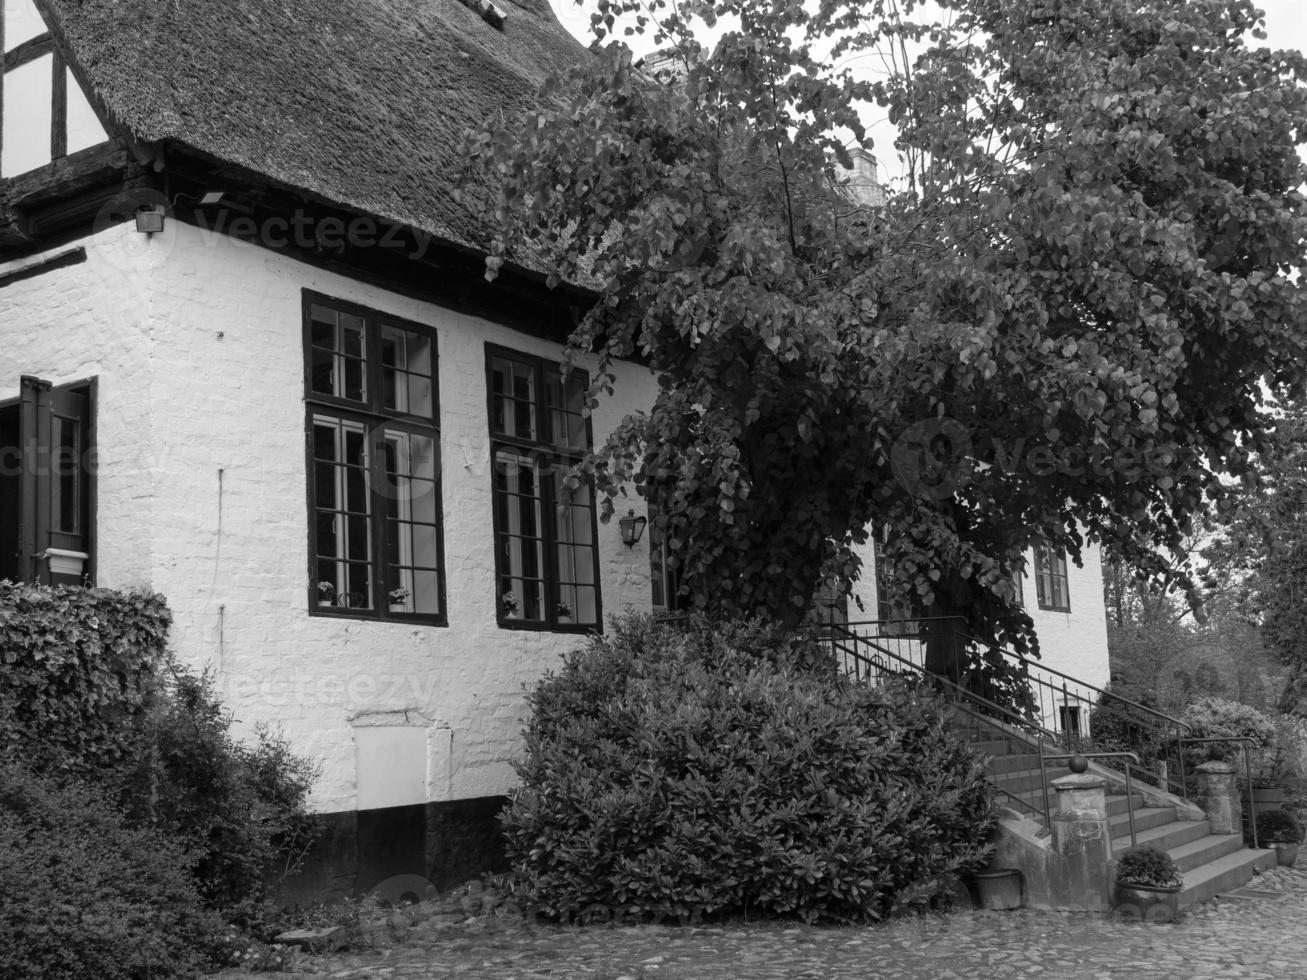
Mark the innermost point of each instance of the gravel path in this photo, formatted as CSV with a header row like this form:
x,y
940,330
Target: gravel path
x,y
1226,937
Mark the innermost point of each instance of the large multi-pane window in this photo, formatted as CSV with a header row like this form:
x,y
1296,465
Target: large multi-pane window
x,y
1051,579
43,113
374,464
545,558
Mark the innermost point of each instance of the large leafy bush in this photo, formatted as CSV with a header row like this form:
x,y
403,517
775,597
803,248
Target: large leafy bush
x,y
676,773
85,895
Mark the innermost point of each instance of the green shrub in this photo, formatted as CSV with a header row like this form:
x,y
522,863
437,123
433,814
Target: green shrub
x,y
78,667
1148,866
239,807
84,895
1278,827
1210,716
670,773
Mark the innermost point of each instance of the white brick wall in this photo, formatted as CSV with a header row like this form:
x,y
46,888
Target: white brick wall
x,y
197,344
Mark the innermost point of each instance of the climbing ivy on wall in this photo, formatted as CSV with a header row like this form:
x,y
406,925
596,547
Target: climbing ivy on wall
x,y
76,665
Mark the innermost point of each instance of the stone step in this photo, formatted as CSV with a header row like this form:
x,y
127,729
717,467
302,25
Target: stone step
x,y
997,747
1026,780
1204,850
1165,836
1226,873
1001,765
1146,818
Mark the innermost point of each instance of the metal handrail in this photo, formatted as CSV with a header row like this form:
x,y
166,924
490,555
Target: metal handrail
x,y
1014,718
1013,655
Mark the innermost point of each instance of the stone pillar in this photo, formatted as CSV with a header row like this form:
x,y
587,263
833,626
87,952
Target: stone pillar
x,y
1219,796
1083,839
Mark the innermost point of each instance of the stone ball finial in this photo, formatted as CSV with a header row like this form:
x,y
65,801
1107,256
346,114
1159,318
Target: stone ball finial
x,y
1078,764
1217,754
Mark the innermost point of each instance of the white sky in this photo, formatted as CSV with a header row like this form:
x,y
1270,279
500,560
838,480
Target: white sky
x,y
1286,27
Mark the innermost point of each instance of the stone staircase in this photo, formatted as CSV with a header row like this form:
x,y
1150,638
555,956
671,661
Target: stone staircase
x,y
1211,863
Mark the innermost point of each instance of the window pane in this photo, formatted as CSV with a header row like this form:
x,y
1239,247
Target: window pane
x,y
342,512
412,533
566,409
338,362
22,23
26,117
84,129
521,549
513,387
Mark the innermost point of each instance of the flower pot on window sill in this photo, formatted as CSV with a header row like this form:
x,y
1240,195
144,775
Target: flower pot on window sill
x,y
512,614
398,607
564,620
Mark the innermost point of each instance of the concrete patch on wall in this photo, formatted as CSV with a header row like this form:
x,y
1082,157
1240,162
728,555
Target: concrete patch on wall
x,y
392,758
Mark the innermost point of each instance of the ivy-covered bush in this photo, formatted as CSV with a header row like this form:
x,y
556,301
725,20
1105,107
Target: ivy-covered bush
x,y
85,895
677,773
78,668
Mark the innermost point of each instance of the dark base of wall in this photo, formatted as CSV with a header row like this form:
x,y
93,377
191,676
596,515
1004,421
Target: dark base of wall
x,y
399,852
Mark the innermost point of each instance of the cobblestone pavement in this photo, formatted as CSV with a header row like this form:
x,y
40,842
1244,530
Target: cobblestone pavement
x,y
1226,937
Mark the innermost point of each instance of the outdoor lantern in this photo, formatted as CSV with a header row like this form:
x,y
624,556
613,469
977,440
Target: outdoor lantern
x,y
632,528
149,220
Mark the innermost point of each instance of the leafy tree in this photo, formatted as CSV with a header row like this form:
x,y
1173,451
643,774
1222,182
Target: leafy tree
x,y
1083,285
1261,549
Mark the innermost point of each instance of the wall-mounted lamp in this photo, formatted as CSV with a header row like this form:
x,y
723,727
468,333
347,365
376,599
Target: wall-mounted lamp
x,y
149,220
632,528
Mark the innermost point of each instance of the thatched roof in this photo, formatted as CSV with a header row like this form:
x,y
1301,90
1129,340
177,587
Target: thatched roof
x,y
360,102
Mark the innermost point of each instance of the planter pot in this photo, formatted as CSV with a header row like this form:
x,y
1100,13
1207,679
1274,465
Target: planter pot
x,y
1142,903
999,889
398,607
1285,854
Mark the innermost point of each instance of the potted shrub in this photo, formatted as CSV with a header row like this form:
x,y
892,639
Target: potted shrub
x,y
1148,885
564,612
1281,830
398,600
326,593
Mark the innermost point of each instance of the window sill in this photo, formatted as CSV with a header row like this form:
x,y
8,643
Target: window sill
x,y
370,616
540,626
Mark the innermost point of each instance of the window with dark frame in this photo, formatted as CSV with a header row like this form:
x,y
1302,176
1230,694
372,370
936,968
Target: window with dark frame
x,y
375,515
664,578
38,95
47,483
546,562
1051,579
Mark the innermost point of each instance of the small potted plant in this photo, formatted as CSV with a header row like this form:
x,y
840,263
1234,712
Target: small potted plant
x,y
1148,885
509,601
1281,830
564,612
326,593
398,600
